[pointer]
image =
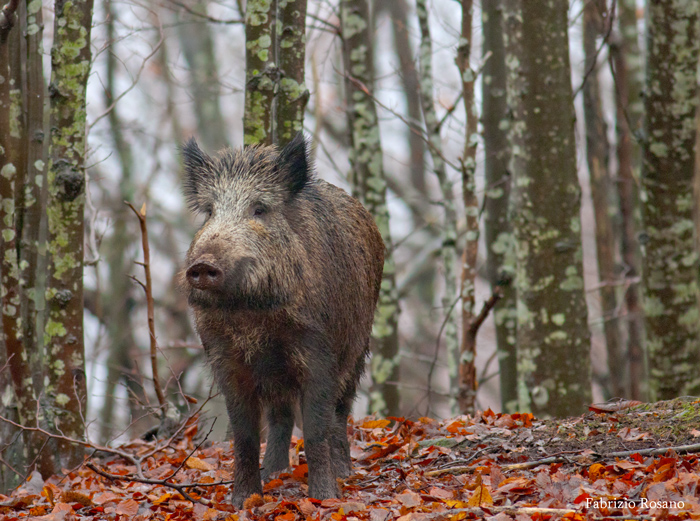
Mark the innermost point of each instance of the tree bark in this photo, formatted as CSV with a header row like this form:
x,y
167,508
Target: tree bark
x,y
669,255
467,387
625,60
553,338
262,73
597,155
449,237
198,50
369,185
291,49
500,246
63,333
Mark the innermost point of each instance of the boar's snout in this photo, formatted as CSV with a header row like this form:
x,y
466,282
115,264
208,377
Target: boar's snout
x,y
204,275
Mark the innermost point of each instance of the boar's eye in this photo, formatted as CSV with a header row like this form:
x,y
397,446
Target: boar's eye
x,y
258,210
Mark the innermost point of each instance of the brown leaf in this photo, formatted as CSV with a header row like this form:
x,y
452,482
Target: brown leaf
x,y
128,507
608,407
104,497
409,499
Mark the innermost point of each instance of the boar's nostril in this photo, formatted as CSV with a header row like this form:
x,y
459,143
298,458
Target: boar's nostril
x,y
204,275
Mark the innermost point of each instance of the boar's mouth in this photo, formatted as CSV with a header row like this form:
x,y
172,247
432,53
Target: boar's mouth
x,y
209,285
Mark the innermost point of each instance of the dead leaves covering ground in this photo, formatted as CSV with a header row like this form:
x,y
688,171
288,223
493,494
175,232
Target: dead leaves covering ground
x,y
462,468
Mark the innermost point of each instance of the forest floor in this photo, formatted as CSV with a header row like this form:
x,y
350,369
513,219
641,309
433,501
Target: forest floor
x,y
631,462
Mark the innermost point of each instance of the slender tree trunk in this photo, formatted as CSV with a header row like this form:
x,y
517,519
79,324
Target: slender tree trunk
x,y
500,246
198,49
123,351
466,394
370,185
553,338
262,73
291,49
66,390
597,154
398,10
449,240
669,253
625,59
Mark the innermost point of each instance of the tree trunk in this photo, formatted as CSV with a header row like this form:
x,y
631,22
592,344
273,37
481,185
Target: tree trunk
x,y
369,184
123,351
466,394
198,50
625,60
500,246
597,152
553,338
669,253
291,49
261,74
66,390
449,234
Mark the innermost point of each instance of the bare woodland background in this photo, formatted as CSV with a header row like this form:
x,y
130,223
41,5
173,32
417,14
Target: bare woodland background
x,y
561,106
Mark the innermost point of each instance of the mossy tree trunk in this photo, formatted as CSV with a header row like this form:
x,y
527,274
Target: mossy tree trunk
x,y
261,72
291,48
65,393
670,258
369,185
597,155
500,246
553,338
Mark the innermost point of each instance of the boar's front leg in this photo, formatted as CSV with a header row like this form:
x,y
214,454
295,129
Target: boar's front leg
x,y
280,423
318,411
244,414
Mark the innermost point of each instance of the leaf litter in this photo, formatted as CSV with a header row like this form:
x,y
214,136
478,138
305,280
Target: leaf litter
x,y
618,461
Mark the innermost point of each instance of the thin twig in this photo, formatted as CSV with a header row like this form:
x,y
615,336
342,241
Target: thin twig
x,y
162,482
141,215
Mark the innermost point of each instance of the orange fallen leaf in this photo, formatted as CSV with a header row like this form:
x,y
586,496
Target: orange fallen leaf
x,y
194,462
375,424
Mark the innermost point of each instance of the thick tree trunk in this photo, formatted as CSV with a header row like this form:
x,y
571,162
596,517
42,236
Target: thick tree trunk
x,y
669,253
553,338
500,245
65,392
370,186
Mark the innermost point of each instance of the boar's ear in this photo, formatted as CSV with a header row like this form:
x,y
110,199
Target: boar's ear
x,y
198,168
294,162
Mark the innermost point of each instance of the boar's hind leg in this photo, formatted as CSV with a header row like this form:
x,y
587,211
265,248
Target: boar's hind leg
x,y
280,423
244,414
318,415
340,448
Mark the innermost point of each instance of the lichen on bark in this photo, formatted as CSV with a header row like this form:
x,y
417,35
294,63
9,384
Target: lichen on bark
x,y
553,355
63,334
670,260
369,185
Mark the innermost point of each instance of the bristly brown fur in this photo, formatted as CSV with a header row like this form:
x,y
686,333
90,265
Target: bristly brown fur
x,y
297,265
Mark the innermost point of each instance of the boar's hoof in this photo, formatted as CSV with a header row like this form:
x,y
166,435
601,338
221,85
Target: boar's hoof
x,y
204,276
